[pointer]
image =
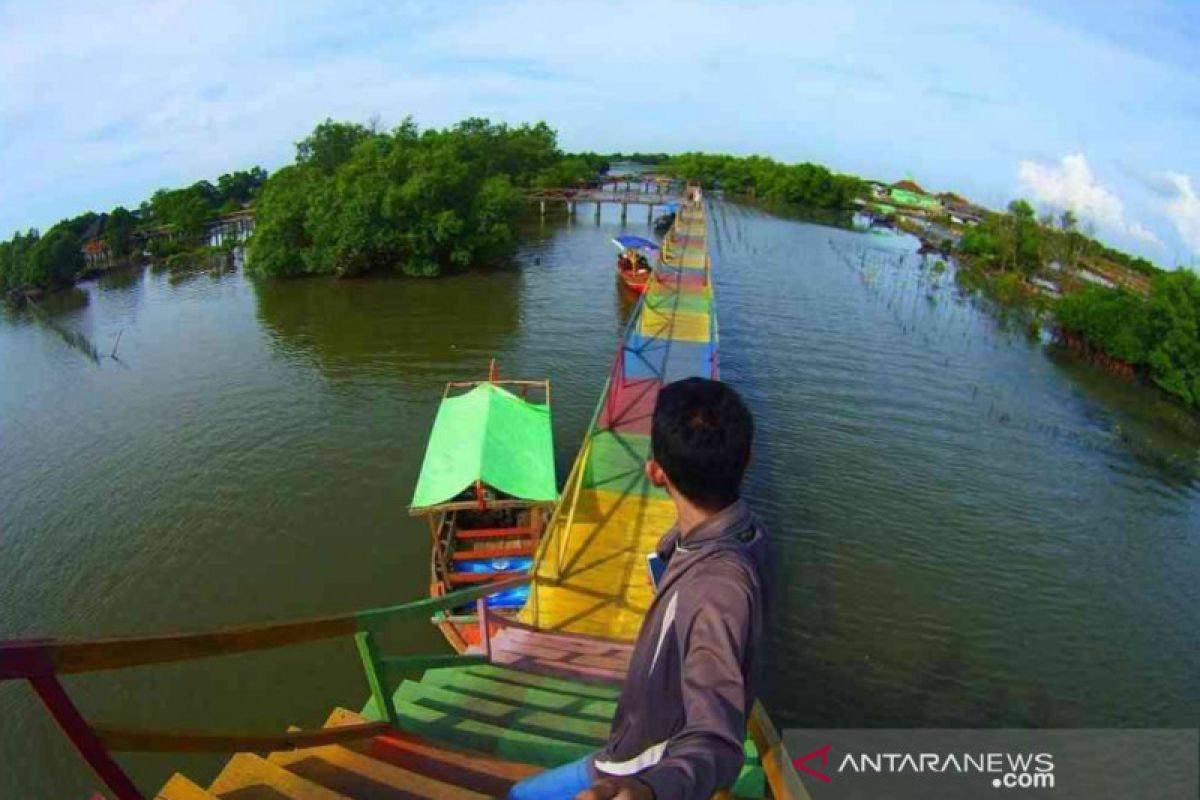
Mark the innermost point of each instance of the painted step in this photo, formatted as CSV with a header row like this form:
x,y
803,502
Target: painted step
x,y
247,775
474,770
180,788
541,648
559,685
531,748
556,668
507,743
546,723
475,685
364,778
567,641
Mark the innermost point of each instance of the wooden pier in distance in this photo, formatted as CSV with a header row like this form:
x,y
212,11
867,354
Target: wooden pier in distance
x,y
649,193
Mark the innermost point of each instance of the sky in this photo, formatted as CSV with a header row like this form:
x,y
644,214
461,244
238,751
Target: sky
x,y
1090,106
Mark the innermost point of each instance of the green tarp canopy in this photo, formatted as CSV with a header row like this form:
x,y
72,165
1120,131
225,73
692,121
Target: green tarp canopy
x,y
490,435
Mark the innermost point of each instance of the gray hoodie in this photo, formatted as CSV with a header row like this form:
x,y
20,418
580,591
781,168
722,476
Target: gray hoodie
x,y
681,717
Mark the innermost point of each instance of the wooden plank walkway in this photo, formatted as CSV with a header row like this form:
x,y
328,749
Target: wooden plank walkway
x,y
590,576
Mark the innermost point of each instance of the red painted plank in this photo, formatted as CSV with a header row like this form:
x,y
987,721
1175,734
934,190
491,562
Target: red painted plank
x,y
494,552
459,578
493,533
630,405
26,659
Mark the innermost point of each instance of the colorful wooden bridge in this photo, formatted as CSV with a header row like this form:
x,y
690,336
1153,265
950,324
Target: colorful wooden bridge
x,y
590,577
537,692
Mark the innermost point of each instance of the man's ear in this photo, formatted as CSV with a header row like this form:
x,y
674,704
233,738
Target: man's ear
x,y
655,474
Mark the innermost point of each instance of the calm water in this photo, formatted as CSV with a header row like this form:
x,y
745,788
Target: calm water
x,y
974,529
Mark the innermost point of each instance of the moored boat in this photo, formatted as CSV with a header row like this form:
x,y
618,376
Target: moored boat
x,y
633,264
664,221
486,486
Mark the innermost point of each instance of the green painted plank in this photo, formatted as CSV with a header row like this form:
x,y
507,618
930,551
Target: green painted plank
x,y
478,686
560,685
548,723
397,668
369,654
515,745
668,302
751,782
526,747
427,607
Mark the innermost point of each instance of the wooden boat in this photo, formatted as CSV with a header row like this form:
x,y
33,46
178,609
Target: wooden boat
x,y
663,223
486,487
633,264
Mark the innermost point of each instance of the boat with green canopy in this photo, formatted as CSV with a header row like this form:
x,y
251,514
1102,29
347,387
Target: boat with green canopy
x,y
486,487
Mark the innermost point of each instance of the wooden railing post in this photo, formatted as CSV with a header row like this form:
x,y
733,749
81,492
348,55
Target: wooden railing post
x,y
373,669
77,729
485,628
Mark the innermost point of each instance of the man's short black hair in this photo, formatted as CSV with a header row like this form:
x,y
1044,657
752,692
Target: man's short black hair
x,y
700,435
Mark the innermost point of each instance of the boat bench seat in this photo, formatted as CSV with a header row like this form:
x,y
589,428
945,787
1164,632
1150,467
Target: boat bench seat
x,y
493,533
494,552
459,578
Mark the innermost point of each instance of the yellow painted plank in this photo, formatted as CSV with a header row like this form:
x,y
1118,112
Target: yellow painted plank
x,y
180,788
246,771
682,325
591,575
379,772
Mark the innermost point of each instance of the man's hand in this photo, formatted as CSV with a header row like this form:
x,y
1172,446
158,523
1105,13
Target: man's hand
x,y
617,789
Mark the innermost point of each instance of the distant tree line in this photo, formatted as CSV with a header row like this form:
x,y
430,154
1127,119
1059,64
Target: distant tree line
x,y
35,260
650,159
1021,242
765,180
421,202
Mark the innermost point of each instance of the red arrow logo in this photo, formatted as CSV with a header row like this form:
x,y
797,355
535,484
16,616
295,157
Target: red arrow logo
x,y
823,753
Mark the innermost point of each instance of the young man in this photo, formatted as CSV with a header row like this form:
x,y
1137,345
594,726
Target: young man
x,y
681,718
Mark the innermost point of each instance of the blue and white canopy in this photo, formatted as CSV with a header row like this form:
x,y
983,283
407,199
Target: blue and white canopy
x,y
635,243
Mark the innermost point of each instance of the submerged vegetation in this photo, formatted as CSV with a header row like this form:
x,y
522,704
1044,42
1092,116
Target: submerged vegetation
x,y
1118,309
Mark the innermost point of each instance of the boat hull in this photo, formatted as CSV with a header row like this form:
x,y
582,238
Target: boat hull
x,y
632,283
472,548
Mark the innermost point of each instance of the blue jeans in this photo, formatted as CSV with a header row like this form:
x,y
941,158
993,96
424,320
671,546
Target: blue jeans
x,y
560,783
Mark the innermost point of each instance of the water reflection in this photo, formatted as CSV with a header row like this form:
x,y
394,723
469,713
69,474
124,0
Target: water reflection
x,y
406,325
121,278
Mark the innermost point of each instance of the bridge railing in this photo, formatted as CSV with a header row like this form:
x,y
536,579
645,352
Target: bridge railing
x,y
41,662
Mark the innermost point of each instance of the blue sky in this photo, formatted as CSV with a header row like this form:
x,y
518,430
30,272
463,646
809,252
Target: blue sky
x,y
1092,106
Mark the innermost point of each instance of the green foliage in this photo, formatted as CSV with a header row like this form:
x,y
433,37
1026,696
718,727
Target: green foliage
x,y
420,202
776,184
280,236
118,231
1012,242
235,189
1159,334
55,259
570,171
637,158
330,144
187,209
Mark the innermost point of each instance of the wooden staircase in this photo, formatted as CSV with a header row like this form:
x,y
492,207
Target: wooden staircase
x,y
462,732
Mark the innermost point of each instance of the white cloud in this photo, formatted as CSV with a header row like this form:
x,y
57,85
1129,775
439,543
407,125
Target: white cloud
x,y
1070,184
1184,211
1143,234
164,92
